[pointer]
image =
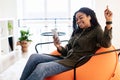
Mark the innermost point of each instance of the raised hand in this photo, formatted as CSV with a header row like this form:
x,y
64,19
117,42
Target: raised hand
x,y
108,14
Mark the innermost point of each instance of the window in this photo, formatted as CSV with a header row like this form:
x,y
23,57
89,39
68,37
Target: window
x,y
40,16
57,8
53,8
33,9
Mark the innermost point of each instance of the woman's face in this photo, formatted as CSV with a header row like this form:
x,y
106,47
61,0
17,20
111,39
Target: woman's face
x,y
82,20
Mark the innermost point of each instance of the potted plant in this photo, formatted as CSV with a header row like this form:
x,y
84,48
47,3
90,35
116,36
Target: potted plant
x,y
24,40
10,27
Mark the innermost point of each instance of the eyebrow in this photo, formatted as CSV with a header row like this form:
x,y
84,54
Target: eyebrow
x,y
79,16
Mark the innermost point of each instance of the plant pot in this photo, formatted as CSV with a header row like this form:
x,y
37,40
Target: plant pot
x,y
24,46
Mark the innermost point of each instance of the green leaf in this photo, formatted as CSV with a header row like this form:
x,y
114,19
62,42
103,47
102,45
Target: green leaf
x,y
25,35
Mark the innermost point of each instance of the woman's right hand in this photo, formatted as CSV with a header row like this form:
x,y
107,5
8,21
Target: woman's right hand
x,y
56,41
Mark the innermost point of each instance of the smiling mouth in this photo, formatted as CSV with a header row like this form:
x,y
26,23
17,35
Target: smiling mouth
x,y
80,24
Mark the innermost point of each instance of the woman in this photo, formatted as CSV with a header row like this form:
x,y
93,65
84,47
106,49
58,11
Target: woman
x,y
86,39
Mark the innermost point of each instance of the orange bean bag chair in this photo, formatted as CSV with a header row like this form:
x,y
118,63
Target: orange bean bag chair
x,y
100,67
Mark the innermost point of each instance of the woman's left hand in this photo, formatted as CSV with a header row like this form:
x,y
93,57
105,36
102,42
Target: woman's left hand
x,y
108,14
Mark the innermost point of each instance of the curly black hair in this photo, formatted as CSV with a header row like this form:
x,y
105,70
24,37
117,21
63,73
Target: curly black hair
x,y
89,12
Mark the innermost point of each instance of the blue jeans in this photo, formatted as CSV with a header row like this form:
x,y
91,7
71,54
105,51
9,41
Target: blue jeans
x,y
40,66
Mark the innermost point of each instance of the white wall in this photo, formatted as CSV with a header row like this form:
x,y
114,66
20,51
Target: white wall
x,y
114,6
8,9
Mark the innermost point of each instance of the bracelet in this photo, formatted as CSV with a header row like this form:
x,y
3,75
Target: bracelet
x,y
109,22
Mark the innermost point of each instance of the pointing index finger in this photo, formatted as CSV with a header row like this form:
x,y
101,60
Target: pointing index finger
x,y
107,7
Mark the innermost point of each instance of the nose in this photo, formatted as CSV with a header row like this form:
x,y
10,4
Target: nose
x,y
78,21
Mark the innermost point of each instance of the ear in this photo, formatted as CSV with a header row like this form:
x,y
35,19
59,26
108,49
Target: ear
x,y
89,17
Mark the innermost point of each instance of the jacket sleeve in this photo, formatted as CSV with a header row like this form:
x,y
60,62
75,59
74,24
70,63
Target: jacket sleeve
x,y
104,37
65,49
